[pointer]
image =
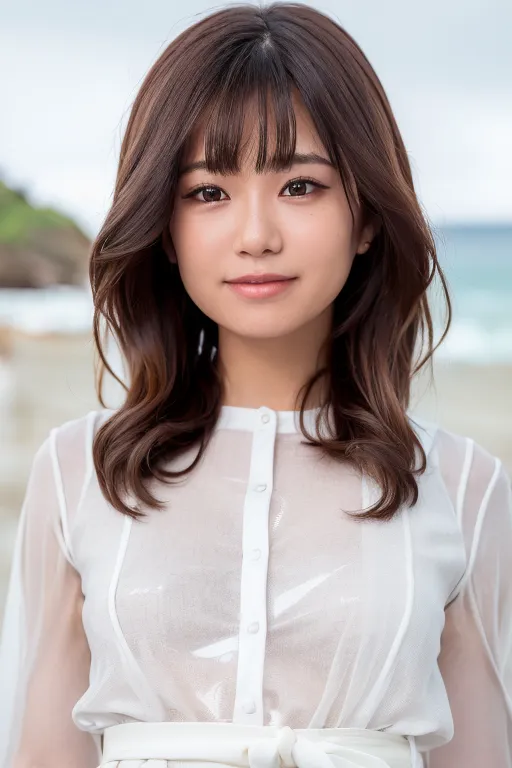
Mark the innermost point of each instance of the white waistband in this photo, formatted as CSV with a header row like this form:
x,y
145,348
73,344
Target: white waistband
x,y
247,746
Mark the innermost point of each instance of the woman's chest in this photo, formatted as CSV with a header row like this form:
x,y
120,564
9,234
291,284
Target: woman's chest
x,y
278,556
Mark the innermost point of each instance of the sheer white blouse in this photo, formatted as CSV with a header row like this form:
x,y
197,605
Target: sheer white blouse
x,y
252,597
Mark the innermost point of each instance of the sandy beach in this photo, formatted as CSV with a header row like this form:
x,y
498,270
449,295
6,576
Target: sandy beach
x,y
48,379
472,400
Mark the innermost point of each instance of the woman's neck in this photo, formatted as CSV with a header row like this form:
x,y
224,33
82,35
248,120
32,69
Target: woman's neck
x,y
270,371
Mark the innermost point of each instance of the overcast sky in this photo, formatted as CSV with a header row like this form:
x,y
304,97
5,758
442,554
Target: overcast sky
x,y
70,71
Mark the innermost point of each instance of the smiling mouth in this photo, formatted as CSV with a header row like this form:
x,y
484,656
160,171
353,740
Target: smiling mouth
x,y
261,289
259,279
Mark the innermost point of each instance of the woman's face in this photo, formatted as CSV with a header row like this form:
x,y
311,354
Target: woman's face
x,y
252,224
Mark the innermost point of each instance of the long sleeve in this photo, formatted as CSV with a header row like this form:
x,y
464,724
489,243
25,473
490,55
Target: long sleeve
x,y
476,647
44,655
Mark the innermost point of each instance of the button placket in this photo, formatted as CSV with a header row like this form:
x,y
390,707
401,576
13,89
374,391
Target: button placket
x,y
253,589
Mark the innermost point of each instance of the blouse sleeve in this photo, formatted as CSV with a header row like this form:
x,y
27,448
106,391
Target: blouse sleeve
x,y
44,655
476,645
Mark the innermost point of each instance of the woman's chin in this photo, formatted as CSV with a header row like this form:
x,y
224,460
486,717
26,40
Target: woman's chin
x,y
270,329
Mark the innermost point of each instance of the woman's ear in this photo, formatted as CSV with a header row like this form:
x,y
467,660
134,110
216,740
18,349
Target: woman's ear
x,y
168,246
368,232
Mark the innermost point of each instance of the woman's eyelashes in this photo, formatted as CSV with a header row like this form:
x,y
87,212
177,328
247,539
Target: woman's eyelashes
x,y
296,185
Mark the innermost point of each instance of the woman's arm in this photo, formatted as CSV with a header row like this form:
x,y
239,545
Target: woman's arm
x,y
44,656
476,648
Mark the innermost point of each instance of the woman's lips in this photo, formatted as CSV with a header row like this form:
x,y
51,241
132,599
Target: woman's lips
x,y
262,290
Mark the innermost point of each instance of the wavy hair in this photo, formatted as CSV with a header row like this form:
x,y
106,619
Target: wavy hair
x,y
381,319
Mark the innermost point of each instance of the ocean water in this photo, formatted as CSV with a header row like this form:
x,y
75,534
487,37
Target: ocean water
x,y
477,261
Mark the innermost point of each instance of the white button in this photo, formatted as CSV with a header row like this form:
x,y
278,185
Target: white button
x,y
261,487
249,707
255,554
253,628
265,418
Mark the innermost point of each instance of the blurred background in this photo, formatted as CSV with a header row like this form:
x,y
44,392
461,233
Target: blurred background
x,y
70,74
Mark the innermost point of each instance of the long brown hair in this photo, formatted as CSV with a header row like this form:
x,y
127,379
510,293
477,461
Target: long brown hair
x,y
381,320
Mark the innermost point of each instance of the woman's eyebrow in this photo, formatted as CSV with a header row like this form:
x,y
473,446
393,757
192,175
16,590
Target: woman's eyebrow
x,y
299,158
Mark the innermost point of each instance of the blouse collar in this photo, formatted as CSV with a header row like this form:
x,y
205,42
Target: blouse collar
x,y
249,419
287,422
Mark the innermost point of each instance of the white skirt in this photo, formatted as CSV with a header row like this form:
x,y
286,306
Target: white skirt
x,y
210,745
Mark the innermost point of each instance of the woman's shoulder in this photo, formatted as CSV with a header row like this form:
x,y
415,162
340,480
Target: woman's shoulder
x,y
66,449
475,478
73,433
455,451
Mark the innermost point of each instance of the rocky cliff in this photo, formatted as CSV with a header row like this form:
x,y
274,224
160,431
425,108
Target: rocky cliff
x,y
38,246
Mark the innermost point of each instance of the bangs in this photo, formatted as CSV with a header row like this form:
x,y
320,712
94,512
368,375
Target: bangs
x,y
254,79
250,96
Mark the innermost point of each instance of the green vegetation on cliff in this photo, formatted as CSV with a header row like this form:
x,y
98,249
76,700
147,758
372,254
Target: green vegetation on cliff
x,y
38,246
18,217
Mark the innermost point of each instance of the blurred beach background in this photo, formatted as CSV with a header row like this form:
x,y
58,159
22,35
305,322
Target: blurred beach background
x,y
58,150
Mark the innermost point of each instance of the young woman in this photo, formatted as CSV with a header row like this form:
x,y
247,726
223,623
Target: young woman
x,y
261,558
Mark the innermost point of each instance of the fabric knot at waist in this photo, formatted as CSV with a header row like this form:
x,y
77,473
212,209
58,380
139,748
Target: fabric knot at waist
x,y
213,745
286,750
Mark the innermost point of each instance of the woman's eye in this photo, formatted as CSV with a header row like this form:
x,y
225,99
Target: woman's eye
x,y
297,187
210,193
